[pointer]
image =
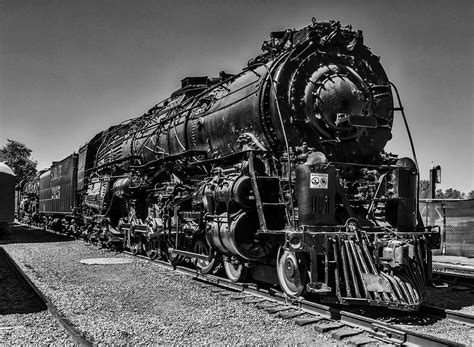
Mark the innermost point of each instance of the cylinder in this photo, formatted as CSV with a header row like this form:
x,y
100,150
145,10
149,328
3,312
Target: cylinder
x,y
236,238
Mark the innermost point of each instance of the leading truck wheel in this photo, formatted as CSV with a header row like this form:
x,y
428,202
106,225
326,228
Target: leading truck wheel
x,y
292,272
236,272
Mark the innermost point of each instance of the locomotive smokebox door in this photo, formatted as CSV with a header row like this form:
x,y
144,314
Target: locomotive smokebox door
x,y
316,194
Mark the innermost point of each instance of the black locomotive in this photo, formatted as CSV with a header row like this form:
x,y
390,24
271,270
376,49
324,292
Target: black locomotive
x,y
276,174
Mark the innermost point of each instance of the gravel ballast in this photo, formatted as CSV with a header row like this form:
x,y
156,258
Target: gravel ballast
x,y
37,328
145,303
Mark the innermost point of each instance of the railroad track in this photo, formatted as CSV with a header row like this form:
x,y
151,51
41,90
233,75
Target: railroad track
x,y
454,275
349,327
456,316
33,298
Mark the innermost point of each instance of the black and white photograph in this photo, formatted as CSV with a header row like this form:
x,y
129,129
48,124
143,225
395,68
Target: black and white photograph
x,y
248,172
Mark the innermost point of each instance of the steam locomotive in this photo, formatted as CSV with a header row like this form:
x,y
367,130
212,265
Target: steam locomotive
x,y
276,174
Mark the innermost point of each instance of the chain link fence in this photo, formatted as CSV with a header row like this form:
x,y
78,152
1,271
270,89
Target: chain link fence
x,y
456,219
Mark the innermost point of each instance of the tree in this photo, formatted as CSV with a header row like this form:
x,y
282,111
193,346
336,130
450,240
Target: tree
x,y
451,193
439,194
424,189
17,155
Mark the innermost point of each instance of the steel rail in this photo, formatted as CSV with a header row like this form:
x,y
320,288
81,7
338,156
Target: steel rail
x,y
75,334
454,275
381,331
460,317
460,271
385,331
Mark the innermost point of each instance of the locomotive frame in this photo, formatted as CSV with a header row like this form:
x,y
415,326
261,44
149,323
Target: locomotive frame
x,y
277,174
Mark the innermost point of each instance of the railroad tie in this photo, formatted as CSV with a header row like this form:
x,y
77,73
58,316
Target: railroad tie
x,y
253,301
239,297
306,321
288,315
265,305
361,341
322,328
277,309
217,290
345,332
223,293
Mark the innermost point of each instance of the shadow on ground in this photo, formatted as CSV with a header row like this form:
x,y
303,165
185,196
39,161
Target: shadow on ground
x,y
16,295
24,234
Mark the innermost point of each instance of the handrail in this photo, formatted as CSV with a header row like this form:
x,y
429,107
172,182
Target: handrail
x,y
401,109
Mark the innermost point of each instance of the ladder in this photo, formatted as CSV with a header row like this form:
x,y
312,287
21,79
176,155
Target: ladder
x,y
266,206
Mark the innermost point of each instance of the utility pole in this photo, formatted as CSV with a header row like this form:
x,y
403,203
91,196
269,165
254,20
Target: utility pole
x,y
435,177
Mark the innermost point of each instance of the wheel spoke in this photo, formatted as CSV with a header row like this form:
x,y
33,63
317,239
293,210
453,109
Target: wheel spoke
x,y
204,266
235,271
292,272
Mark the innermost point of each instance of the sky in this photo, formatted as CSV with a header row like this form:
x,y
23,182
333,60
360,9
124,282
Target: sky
x,y
69,68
